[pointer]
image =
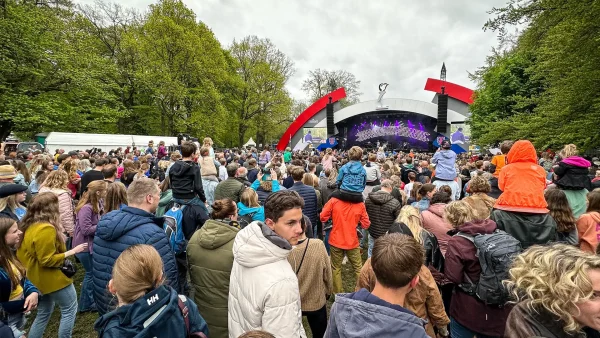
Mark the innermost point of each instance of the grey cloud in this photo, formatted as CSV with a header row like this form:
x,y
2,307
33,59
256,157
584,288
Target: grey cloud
x,y
402,42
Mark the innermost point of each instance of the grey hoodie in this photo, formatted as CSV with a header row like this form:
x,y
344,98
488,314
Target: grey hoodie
x,y
354,318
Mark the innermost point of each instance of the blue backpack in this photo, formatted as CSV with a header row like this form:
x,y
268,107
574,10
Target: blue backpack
x,y
172,226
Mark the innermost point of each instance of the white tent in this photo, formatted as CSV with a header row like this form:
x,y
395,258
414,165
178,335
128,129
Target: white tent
x,y
250,143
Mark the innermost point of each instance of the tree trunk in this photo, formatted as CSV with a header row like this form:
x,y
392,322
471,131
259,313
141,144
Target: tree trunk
x,y
242,133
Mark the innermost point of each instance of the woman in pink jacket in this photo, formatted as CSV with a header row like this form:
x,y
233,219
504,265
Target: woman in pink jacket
x,y
57,182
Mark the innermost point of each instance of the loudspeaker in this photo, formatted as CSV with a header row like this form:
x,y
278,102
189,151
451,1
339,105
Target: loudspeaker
x,y
330,124
442,118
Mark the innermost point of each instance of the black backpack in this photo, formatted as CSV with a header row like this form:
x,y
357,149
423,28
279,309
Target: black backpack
x,y
246,219
496,252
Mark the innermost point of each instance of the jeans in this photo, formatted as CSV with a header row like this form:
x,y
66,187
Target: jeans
x,y
67,303
459,331
16,322
86,298
371,243
364,237
317,320
326,240
337,256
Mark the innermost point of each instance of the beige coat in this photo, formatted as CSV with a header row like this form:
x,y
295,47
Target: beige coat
x,y
424,300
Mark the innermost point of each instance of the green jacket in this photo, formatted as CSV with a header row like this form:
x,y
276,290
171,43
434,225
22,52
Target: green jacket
x,y
230,188
165,198
210,258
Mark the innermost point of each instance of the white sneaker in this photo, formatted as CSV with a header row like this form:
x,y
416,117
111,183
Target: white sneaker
x,y
345,260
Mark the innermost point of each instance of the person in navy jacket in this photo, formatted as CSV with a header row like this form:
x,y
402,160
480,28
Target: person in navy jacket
x,y
145,307
120,229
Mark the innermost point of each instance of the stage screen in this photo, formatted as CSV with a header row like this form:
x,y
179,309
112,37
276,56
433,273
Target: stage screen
x,y
460,134
316,136
414,132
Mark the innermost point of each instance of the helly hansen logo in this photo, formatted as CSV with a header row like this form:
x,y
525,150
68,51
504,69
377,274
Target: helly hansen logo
x,y
152,299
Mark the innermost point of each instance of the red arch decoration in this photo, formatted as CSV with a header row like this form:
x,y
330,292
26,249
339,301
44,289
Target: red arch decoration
x,y
453,90
307,114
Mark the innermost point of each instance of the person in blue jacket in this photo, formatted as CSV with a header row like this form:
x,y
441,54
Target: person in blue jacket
x,y
248,205
119,229
445,160
17,294
352,178
146,308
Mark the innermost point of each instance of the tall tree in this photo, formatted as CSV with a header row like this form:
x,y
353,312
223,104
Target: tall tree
x,y
560,61
52,76
321,81
262,101
182,69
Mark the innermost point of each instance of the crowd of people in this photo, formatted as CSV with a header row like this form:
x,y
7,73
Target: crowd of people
x,y
198,242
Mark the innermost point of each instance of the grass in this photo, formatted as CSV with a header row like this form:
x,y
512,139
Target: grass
x,y
84,323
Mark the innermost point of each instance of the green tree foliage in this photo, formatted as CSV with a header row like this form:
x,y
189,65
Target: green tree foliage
x,y
261,102
52,76
544,87
322,81
103,68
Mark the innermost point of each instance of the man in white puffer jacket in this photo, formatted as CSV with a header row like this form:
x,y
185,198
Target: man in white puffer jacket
x,y
263,288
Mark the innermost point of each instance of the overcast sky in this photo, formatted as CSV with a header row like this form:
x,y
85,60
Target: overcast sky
x,y
401,42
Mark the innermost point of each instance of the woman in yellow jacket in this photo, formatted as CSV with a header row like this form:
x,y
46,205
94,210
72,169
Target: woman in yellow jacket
x,y
43,252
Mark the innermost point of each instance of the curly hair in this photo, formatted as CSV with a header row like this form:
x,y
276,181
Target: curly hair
x,y
58,179
479,184
568,151
554,277
458,213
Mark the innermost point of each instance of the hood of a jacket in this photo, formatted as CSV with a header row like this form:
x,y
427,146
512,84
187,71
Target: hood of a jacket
x,y
577,161
257,245
354,167
484,226
181,168
522,151
437,209
215,234
244,210
132,316
165,198
595,216
350,315
53,190
380,197
119,222
447,153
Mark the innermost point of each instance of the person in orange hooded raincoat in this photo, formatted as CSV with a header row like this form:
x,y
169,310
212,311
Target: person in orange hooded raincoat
x,y
521,209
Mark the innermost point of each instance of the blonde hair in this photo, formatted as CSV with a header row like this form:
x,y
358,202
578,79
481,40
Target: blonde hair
x,y
139,189
208,142
137,271
555,278
568,151
96,190
355,153
249,198
410,216
458,213
10,202
309,179
58,179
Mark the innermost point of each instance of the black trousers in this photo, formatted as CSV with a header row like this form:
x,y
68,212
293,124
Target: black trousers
x,y
182,269
317,320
